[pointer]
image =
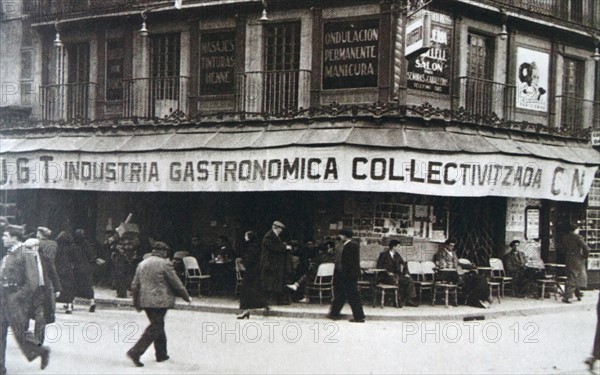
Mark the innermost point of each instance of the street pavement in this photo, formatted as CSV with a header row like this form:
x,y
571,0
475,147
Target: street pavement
x,y
556,342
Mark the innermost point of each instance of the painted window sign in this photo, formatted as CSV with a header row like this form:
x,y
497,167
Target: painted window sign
x,y
532,79
350,54
217,63
430,71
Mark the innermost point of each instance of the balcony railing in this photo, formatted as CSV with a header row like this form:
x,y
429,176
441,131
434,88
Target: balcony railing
x,y
154,97
483,97
273,92
575,11
69,102
576,113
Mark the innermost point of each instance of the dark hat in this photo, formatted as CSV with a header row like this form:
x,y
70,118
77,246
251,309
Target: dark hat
x,y
574,226
346,232
45,231
514,242
450,240
160,246
278,224
393,243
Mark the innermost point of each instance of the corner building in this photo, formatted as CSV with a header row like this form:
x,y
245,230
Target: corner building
x,y
407,119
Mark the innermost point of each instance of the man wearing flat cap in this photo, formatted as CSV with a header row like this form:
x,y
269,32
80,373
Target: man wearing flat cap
x,y
274,255
514,266
155,286
345,279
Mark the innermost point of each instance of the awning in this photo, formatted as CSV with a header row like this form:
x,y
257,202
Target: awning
x,y
436,160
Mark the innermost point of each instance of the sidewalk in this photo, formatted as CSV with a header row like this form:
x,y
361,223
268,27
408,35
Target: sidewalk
x,y
509,306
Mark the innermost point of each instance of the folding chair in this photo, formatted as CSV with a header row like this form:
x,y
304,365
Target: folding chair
x,y
322,286
193,275
499,274
422,280
366,283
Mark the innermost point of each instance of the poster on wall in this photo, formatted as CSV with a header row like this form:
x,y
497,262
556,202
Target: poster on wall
x,y
350,54
430,71
532,79
217,63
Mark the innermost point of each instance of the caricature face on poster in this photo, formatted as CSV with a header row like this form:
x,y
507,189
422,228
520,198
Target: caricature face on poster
x,y
532,79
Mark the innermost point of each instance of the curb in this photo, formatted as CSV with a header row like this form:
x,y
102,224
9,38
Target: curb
x,y
490,313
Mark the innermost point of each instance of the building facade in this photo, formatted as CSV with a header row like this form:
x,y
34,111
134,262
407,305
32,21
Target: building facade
x,y
409,119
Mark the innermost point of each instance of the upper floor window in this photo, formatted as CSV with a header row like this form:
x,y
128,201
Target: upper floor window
x,y
115,55
79,63
282,46
165,66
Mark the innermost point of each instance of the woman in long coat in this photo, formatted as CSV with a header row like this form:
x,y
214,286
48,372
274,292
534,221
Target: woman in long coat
x,y
576,254
85,258
65,266
274,257
251,295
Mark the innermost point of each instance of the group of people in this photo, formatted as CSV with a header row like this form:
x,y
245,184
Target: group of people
x,y
35,273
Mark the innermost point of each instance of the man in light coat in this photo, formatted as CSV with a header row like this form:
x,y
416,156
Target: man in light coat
x,y
155,286
576,254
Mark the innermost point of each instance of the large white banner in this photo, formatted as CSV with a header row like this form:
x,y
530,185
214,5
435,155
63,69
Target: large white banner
x,y
300,168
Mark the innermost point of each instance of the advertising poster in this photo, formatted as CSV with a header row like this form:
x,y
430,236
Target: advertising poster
x,y
532,79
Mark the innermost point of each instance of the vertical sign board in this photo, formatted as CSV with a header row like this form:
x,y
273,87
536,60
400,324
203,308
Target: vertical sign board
x,y
217,63
532,223
430,71
532,79
418,35
350,54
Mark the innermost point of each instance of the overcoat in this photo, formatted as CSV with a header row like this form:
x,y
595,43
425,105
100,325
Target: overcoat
x,y
274,256
576,254
155,284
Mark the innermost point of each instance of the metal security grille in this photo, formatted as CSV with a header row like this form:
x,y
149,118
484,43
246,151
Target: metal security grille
x,y
282,63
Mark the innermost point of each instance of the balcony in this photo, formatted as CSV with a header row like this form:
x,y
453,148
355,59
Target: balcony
x,y
69,102
574,11
575,113
273,92
154,97
482,98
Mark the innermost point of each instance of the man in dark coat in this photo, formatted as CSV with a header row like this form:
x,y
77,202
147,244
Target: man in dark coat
x,y
576,254
345,279
155,286
514,266
274,255
19,279
397,273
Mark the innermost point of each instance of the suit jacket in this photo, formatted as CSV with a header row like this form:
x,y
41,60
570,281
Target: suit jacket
x,y
351,260
19,269
393,265
155,284
444,260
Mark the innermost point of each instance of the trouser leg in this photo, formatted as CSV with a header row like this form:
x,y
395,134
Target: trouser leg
x,y
339,297
351,287
152,332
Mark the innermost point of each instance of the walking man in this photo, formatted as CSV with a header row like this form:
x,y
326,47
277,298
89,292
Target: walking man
x,y
345,279
274,253
155,286
20,276
576,254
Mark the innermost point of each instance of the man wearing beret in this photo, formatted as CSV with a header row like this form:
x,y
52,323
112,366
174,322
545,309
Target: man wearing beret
x,y
345,279
20,277
155,286
274,255
514,265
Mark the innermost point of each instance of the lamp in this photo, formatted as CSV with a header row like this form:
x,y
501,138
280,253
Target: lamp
x,y
264,16
503,34
58,43
143,31
596,55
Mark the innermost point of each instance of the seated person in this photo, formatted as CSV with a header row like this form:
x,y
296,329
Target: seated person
x,y
326,255
514,266
446,259
223,252
397,273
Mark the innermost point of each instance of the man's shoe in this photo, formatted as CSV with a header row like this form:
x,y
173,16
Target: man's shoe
x,y
135,359
303,300
92,308
566,300
357,320
412,304
293,286
45,358
162,359
333,317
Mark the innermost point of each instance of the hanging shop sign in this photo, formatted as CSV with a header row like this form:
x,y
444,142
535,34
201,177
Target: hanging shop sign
x,y
217,63
430,71
350,54
418,36
301,169
532,79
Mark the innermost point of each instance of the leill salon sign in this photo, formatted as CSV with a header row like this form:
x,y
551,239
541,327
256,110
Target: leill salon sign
x,y
298,168
350,54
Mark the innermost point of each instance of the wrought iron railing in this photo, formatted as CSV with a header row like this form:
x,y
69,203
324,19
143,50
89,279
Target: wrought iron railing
x,y
484,97
576,113
575,11
273,92
69,102
155,97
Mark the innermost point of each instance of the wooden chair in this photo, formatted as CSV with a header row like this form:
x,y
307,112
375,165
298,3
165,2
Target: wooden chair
x,y
423,279
194,276
547,284
499,275
322,286
366,283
